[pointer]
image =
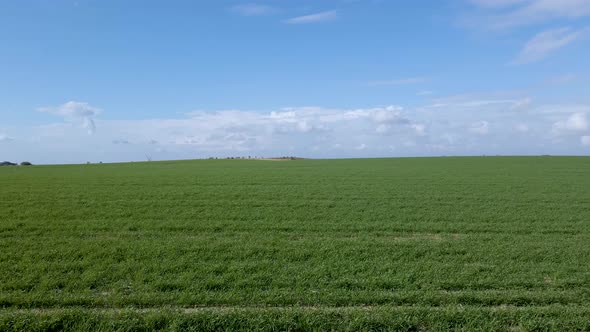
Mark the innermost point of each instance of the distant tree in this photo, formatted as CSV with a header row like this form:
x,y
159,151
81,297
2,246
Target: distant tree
x,y
26,163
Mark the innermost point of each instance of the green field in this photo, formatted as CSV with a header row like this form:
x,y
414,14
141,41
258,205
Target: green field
x,y
467,243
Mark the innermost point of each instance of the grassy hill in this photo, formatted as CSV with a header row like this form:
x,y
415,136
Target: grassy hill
x,y
363,244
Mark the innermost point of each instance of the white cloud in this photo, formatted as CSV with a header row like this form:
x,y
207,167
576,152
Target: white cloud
x,y
574,123
401,81
390,114
478,102
547,42
288,131
253,9
315,132
314,18
480,128
419,128
74,111
424,93
585,140
89,124
5,138
248,130
386,114
560,109
521,127
521,104
383,128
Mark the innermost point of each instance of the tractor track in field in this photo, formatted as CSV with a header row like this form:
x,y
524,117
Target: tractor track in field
x,y
196,309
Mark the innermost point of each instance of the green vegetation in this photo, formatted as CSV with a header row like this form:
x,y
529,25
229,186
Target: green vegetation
x,y
469,243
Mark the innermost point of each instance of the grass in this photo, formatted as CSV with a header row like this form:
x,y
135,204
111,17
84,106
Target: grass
x,y
471,243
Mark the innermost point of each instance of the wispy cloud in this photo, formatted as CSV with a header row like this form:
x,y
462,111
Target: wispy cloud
x,y
503,14
253,9
5,138
497,3
74,111
472,102
521,104
561,79
425,93
314,18
402,81
547,42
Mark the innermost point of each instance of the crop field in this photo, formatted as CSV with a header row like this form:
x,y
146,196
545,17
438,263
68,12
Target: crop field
x,y
462,243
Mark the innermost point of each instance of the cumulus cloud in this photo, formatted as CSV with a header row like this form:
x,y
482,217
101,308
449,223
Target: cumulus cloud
x,y
480,127
74,111
547,42
316,132
521,127
318,115
288,130
253,9
5,138
383,128
419,128
576,122
314,18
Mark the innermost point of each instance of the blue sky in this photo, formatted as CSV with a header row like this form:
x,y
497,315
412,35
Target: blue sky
x,y
118,80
